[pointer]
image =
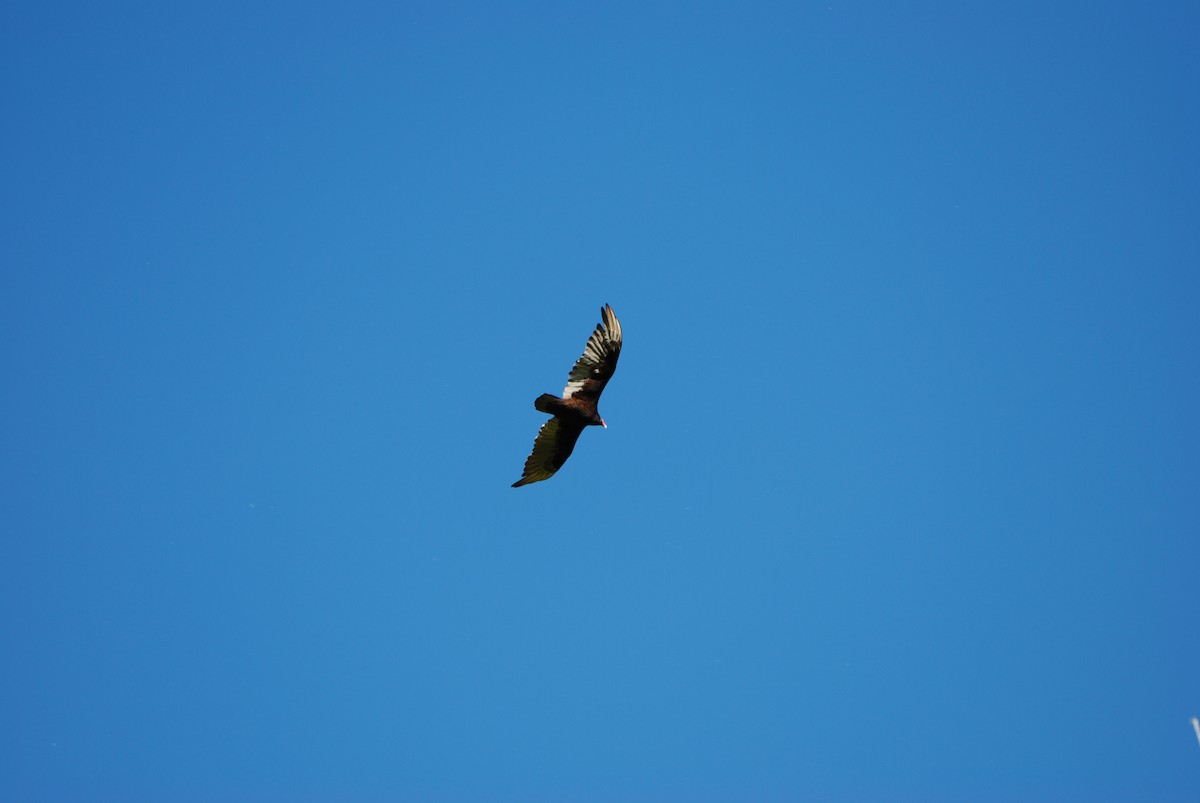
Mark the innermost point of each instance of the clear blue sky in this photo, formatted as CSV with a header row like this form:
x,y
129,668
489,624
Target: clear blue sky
x,y
900,492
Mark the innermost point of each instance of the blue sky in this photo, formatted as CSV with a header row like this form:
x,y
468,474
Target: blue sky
x,y
899,494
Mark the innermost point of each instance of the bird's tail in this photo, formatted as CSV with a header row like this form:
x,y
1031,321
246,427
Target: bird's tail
x,y
547,403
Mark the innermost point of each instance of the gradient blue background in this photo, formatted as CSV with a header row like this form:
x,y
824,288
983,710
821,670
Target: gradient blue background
x,y
900,491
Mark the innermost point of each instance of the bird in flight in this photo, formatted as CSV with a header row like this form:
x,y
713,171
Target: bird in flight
x,y
577,407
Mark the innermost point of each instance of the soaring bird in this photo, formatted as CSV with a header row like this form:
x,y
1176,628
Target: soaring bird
x,y
577,407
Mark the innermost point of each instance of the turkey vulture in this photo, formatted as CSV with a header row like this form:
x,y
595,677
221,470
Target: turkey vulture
x,y
577,407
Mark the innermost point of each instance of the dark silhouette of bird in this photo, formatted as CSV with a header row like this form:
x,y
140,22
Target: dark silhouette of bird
x,y
577,407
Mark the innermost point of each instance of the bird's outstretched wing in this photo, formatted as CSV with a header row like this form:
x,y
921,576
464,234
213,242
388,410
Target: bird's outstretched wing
x,y
553,445
593,370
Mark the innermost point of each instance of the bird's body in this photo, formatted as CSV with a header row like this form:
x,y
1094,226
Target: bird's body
x,y
578,407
